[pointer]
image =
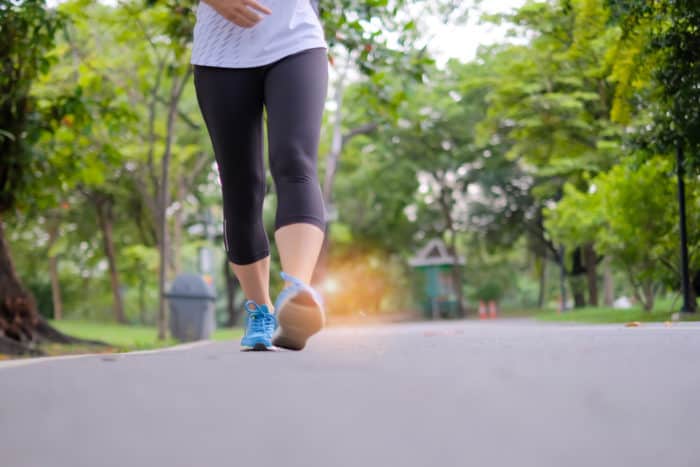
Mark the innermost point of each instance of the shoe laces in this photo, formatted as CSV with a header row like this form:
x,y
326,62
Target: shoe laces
x,y
259,320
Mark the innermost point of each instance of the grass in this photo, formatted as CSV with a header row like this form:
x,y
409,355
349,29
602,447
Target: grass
x,y
517,312
121,338
611,315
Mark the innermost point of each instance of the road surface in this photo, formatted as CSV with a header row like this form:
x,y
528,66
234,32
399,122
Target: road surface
x,y
509,393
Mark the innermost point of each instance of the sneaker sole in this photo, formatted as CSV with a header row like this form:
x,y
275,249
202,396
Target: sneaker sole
x,y
256,348
296,323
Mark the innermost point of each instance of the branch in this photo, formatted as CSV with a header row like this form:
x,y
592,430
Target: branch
x,y
175,94
147,199
183,116
198,166
635,285
669,265
360,130
538,231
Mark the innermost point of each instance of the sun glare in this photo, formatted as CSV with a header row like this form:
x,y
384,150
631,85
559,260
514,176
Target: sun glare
x,y
362,281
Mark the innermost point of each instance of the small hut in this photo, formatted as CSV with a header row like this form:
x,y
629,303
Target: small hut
x,y
437,266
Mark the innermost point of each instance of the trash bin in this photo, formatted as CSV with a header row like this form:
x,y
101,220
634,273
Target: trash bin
x,y
191,302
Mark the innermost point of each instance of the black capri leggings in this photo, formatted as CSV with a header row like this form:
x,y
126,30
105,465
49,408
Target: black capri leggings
x,y
293,91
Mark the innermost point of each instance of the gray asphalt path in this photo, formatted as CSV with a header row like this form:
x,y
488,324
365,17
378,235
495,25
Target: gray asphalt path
x,y
435,394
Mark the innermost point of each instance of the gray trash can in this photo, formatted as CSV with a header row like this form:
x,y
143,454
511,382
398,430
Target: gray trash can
x,y
191,302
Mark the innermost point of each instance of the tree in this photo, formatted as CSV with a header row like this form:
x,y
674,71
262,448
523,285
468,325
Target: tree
x,y
630,213
552,104
363,38
151,80
435,142
666,33
28,31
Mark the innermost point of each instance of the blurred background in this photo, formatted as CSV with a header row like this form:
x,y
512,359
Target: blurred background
x,y
504,158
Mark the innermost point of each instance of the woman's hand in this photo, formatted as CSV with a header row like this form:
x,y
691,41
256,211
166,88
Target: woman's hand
x,y
240,12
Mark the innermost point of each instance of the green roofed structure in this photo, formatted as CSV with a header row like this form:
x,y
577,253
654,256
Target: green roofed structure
x,y
439,296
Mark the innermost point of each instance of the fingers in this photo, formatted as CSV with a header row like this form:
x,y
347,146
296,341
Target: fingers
x,y
247,18
256,6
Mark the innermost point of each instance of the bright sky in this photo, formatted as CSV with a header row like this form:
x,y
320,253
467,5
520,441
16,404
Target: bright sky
x,y
463,41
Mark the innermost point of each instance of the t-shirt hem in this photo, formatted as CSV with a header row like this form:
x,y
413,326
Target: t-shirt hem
x,y
262,61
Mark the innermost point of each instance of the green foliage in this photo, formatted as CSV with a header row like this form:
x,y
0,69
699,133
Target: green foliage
x,y
667,34
631,214
489,291
562,137
552,97
638,204
577,219
610,315
27,32
548,120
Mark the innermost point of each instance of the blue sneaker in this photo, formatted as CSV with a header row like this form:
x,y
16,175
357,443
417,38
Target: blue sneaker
x,y
261,324
298,320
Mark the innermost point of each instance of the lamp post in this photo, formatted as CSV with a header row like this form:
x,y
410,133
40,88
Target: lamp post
x,y
685,280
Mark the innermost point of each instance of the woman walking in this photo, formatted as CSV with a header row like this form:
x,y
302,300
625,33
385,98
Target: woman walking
x,y
271,55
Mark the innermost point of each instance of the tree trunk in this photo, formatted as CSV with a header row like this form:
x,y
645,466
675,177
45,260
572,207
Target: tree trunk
x,y
231,286
452,248
591,264
329,178
648,290
164,247
562,278
457,274
457,278
142,301
21,327
576,279
541,296
18,315
105,219
53,273
178,221
175,94
609,286
336,142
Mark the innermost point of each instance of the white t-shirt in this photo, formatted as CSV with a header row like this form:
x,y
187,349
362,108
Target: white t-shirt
x,y
292,27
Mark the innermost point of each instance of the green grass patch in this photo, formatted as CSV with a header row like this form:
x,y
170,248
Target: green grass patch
x,y
515,312
124,338
611,315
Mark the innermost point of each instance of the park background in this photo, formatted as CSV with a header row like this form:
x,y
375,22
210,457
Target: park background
x,y
546,158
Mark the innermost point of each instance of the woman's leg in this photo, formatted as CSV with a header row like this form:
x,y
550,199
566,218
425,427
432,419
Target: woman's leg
x,y
299,246
295,94
231,101
255,281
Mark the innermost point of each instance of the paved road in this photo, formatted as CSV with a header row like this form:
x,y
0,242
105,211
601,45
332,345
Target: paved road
x,y
424,395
